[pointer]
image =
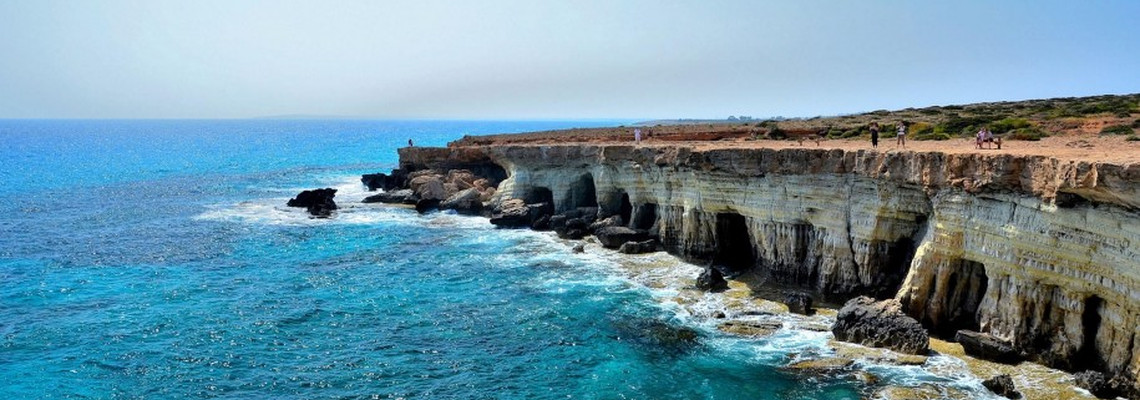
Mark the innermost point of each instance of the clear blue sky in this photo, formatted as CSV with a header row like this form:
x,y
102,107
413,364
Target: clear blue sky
x,y
493,59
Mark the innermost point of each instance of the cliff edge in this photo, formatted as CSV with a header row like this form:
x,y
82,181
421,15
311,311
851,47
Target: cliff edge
x,y
1039,252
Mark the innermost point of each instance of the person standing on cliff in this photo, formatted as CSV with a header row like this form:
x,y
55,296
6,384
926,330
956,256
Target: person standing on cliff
x,y
410,143
874,135
637,135
902,135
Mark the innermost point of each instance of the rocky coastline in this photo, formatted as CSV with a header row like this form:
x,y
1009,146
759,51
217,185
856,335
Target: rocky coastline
x,y
1016,257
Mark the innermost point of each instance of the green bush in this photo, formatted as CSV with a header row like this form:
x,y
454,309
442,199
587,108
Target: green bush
x,y
1117,130
1136,123
1032,134
1009,124
931,135
1132,138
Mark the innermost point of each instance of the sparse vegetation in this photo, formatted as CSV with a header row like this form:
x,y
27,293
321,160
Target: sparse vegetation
x,y
1132,138
1117,130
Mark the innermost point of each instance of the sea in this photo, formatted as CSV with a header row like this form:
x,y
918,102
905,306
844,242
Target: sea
x,y
156,259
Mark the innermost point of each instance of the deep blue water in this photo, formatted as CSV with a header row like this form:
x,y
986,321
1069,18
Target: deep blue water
x,y
156,259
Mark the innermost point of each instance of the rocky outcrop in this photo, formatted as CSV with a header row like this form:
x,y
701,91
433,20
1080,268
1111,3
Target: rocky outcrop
x,y
319,202
615,236
880,324
397,179
401,196
799,303
711,279
1002,385
987,347
1038,252
516,213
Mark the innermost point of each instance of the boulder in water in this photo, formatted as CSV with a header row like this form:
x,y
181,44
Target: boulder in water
x,y
319,202
1002,385
645,246
799,303
711,279
880,324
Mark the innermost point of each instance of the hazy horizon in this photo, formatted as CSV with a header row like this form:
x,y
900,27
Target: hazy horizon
x,y
542,60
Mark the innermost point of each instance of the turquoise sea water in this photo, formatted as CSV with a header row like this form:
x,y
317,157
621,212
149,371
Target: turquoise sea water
x,y
156,259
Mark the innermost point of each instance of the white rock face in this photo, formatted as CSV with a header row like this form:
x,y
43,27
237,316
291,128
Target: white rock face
x,y
1042,252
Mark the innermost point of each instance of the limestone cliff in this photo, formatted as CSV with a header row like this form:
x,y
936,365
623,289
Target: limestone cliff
x,y
1041,252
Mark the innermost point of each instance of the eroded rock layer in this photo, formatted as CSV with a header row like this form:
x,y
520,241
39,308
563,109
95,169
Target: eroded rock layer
x,y
1039,252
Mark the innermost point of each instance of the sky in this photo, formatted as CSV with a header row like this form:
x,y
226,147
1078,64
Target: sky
x,y
537,59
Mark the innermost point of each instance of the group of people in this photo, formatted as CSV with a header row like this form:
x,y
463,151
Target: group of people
x,y
900,138
984,136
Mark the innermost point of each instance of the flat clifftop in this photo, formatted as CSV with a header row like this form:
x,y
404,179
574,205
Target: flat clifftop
x,y
1058,170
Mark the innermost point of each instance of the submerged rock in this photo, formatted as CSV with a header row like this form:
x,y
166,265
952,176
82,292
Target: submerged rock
x,y
822,366
319,202
987,347
579,248
573,229
657,335
1002,385
750,328
880,324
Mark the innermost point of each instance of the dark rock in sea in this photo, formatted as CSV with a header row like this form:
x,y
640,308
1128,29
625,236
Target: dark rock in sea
x,y
614,236
464,202
579,248
711,279
542,223
319,202
1098,384
645,246
799,303
574,229
987,347
402,196
558,223
880,324
515,213
425,205
385,182
719,315
1002,385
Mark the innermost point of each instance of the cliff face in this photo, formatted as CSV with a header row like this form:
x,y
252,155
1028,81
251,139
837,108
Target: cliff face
x,y
1040,252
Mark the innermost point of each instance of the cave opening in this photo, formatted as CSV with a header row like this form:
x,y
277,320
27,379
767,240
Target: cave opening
x,y
539,194
965,289
645,216
733,243
1090,325
581,193
626,209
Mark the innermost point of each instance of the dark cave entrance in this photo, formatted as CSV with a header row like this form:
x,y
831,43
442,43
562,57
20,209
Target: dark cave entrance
x,y
1090,325
581,194
626,209
539,194
966,286
645,216
733,243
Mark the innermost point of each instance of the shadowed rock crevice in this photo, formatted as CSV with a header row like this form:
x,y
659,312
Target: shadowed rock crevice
x,y
644,216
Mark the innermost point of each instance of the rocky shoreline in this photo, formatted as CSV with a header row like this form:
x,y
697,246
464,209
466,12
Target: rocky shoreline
x,y
1015,257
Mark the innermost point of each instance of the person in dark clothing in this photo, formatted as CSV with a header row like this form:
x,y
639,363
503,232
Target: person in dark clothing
x,y
874,135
